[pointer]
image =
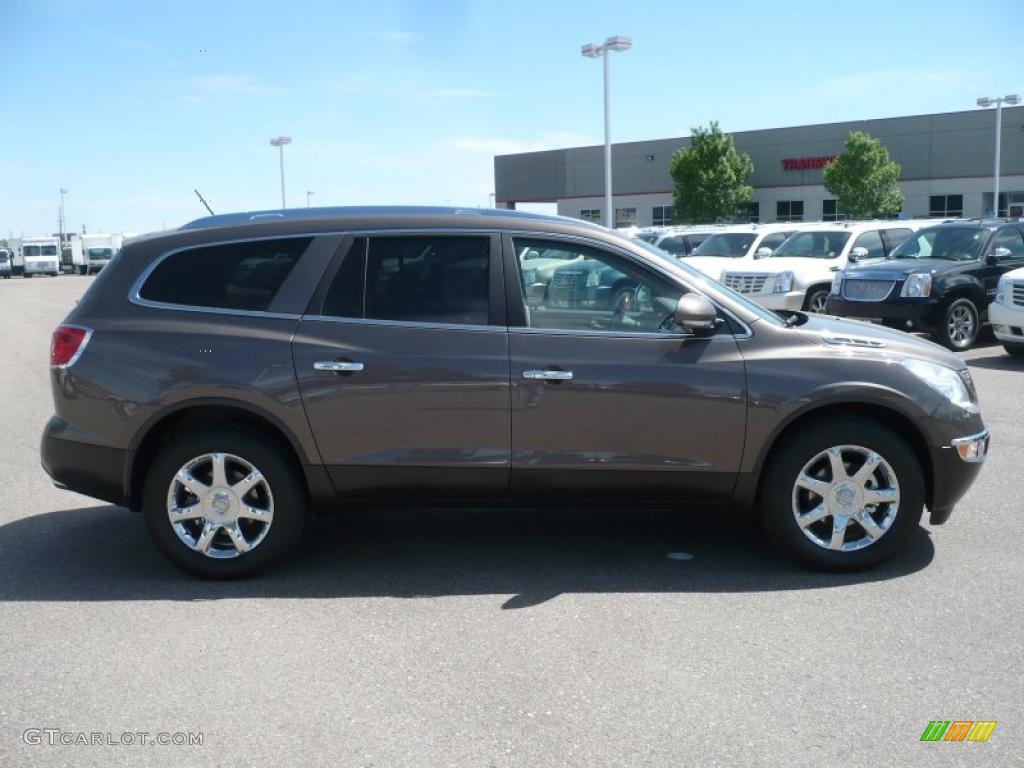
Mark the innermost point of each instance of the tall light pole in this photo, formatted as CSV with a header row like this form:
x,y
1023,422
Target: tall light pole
x,y
62,193
984,102
280,143
592,51
309,193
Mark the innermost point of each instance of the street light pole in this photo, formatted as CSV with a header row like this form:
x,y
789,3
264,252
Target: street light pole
x,y
309,192
62,193
984,102
592,51
280,143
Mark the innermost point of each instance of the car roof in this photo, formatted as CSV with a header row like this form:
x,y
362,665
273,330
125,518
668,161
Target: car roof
x,y
973,223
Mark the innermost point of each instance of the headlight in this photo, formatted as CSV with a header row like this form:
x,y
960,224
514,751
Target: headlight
x,y
917,286
1003,291
943,380
837,283
783,282
593,279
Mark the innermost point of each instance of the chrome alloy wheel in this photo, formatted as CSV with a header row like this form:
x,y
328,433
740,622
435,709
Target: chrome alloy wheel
x,y
846,498
818,303
961,326
220,505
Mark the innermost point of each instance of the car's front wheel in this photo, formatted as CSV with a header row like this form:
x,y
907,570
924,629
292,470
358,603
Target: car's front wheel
x,y
842,494
960,326
224,503
817,301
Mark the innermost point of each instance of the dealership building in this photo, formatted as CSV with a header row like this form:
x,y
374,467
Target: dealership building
x,y
947,163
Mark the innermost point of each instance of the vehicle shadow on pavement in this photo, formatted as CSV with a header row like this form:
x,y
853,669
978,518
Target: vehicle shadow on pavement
x,y
998,361
534,554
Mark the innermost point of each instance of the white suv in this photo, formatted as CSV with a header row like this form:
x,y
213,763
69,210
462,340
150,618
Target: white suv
x,y
1006,313
738,246
798,274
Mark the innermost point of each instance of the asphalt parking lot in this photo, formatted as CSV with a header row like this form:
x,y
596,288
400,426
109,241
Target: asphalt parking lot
x,y
500,638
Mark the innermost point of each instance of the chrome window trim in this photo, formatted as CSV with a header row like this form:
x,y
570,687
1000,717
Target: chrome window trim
x,y
632,257
406,323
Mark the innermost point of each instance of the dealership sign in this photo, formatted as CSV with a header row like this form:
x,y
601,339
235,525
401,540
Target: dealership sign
x,y
806,163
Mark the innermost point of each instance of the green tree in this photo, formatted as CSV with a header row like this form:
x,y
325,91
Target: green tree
x,y
711,178
863,179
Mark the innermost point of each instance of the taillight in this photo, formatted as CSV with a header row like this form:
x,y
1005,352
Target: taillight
x,y
67,344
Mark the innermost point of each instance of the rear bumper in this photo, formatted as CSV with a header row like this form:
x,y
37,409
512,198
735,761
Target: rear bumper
x,y
92,470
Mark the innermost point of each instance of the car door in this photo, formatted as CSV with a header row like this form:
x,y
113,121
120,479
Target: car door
x,y
402,362
617,400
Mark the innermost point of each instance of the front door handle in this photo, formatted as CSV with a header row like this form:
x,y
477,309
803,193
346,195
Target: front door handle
x,y
548,375
338,366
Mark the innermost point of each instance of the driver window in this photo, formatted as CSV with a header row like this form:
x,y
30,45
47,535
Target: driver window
x,y
577,288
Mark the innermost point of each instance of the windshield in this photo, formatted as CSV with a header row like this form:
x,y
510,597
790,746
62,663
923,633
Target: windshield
x,y
729,245
100,253
814,245
3,257
700,280
49,250
953,243
31,250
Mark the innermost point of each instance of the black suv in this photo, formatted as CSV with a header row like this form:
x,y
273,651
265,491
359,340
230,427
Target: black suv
x,y
940,281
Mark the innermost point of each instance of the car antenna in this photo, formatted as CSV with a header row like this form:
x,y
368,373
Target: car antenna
x,y
201,200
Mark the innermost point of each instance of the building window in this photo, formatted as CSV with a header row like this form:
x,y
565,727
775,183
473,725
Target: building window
x,y
830,211
591,214
663,215
625,217
753,212
946,206
789,210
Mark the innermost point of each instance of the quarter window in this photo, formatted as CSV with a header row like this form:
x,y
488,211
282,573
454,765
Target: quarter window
x,y
244,276
789,210
577,288
419,279
946,206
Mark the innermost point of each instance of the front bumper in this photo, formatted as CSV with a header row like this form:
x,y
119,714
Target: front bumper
x,y
92,470
790,302
955,467
921,312
1007,322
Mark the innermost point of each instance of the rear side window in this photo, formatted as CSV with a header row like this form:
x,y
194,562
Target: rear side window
x,y
242,276
432,279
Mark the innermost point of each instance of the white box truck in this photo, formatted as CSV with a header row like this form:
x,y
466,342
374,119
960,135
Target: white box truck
x,y
74,258
35,256
98,250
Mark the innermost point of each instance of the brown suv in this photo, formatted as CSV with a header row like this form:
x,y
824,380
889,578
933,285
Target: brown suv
x,y
232,376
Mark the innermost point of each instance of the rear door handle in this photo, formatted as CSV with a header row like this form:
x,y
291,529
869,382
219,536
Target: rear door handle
x,y
338,366
548,375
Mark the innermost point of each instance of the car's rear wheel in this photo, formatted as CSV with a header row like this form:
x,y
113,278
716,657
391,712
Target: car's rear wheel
x,y
817,301
224,503
960,326
842,494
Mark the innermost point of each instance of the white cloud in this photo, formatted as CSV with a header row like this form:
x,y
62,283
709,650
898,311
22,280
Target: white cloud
x,y
494,145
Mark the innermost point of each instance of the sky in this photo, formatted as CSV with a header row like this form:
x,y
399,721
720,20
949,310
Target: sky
x,y
131,105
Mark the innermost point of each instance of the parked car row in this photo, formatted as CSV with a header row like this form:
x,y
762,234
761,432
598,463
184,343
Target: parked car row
x,y
935,277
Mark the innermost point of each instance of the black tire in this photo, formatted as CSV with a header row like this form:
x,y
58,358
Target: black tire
x,y
1016,350
776,495
817,297
283,476
948,337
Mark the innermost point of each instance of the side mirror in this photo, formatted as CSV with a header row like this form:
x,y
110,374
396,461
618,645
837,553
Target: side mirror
x,y
762,253
696,314
858,253
999,254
